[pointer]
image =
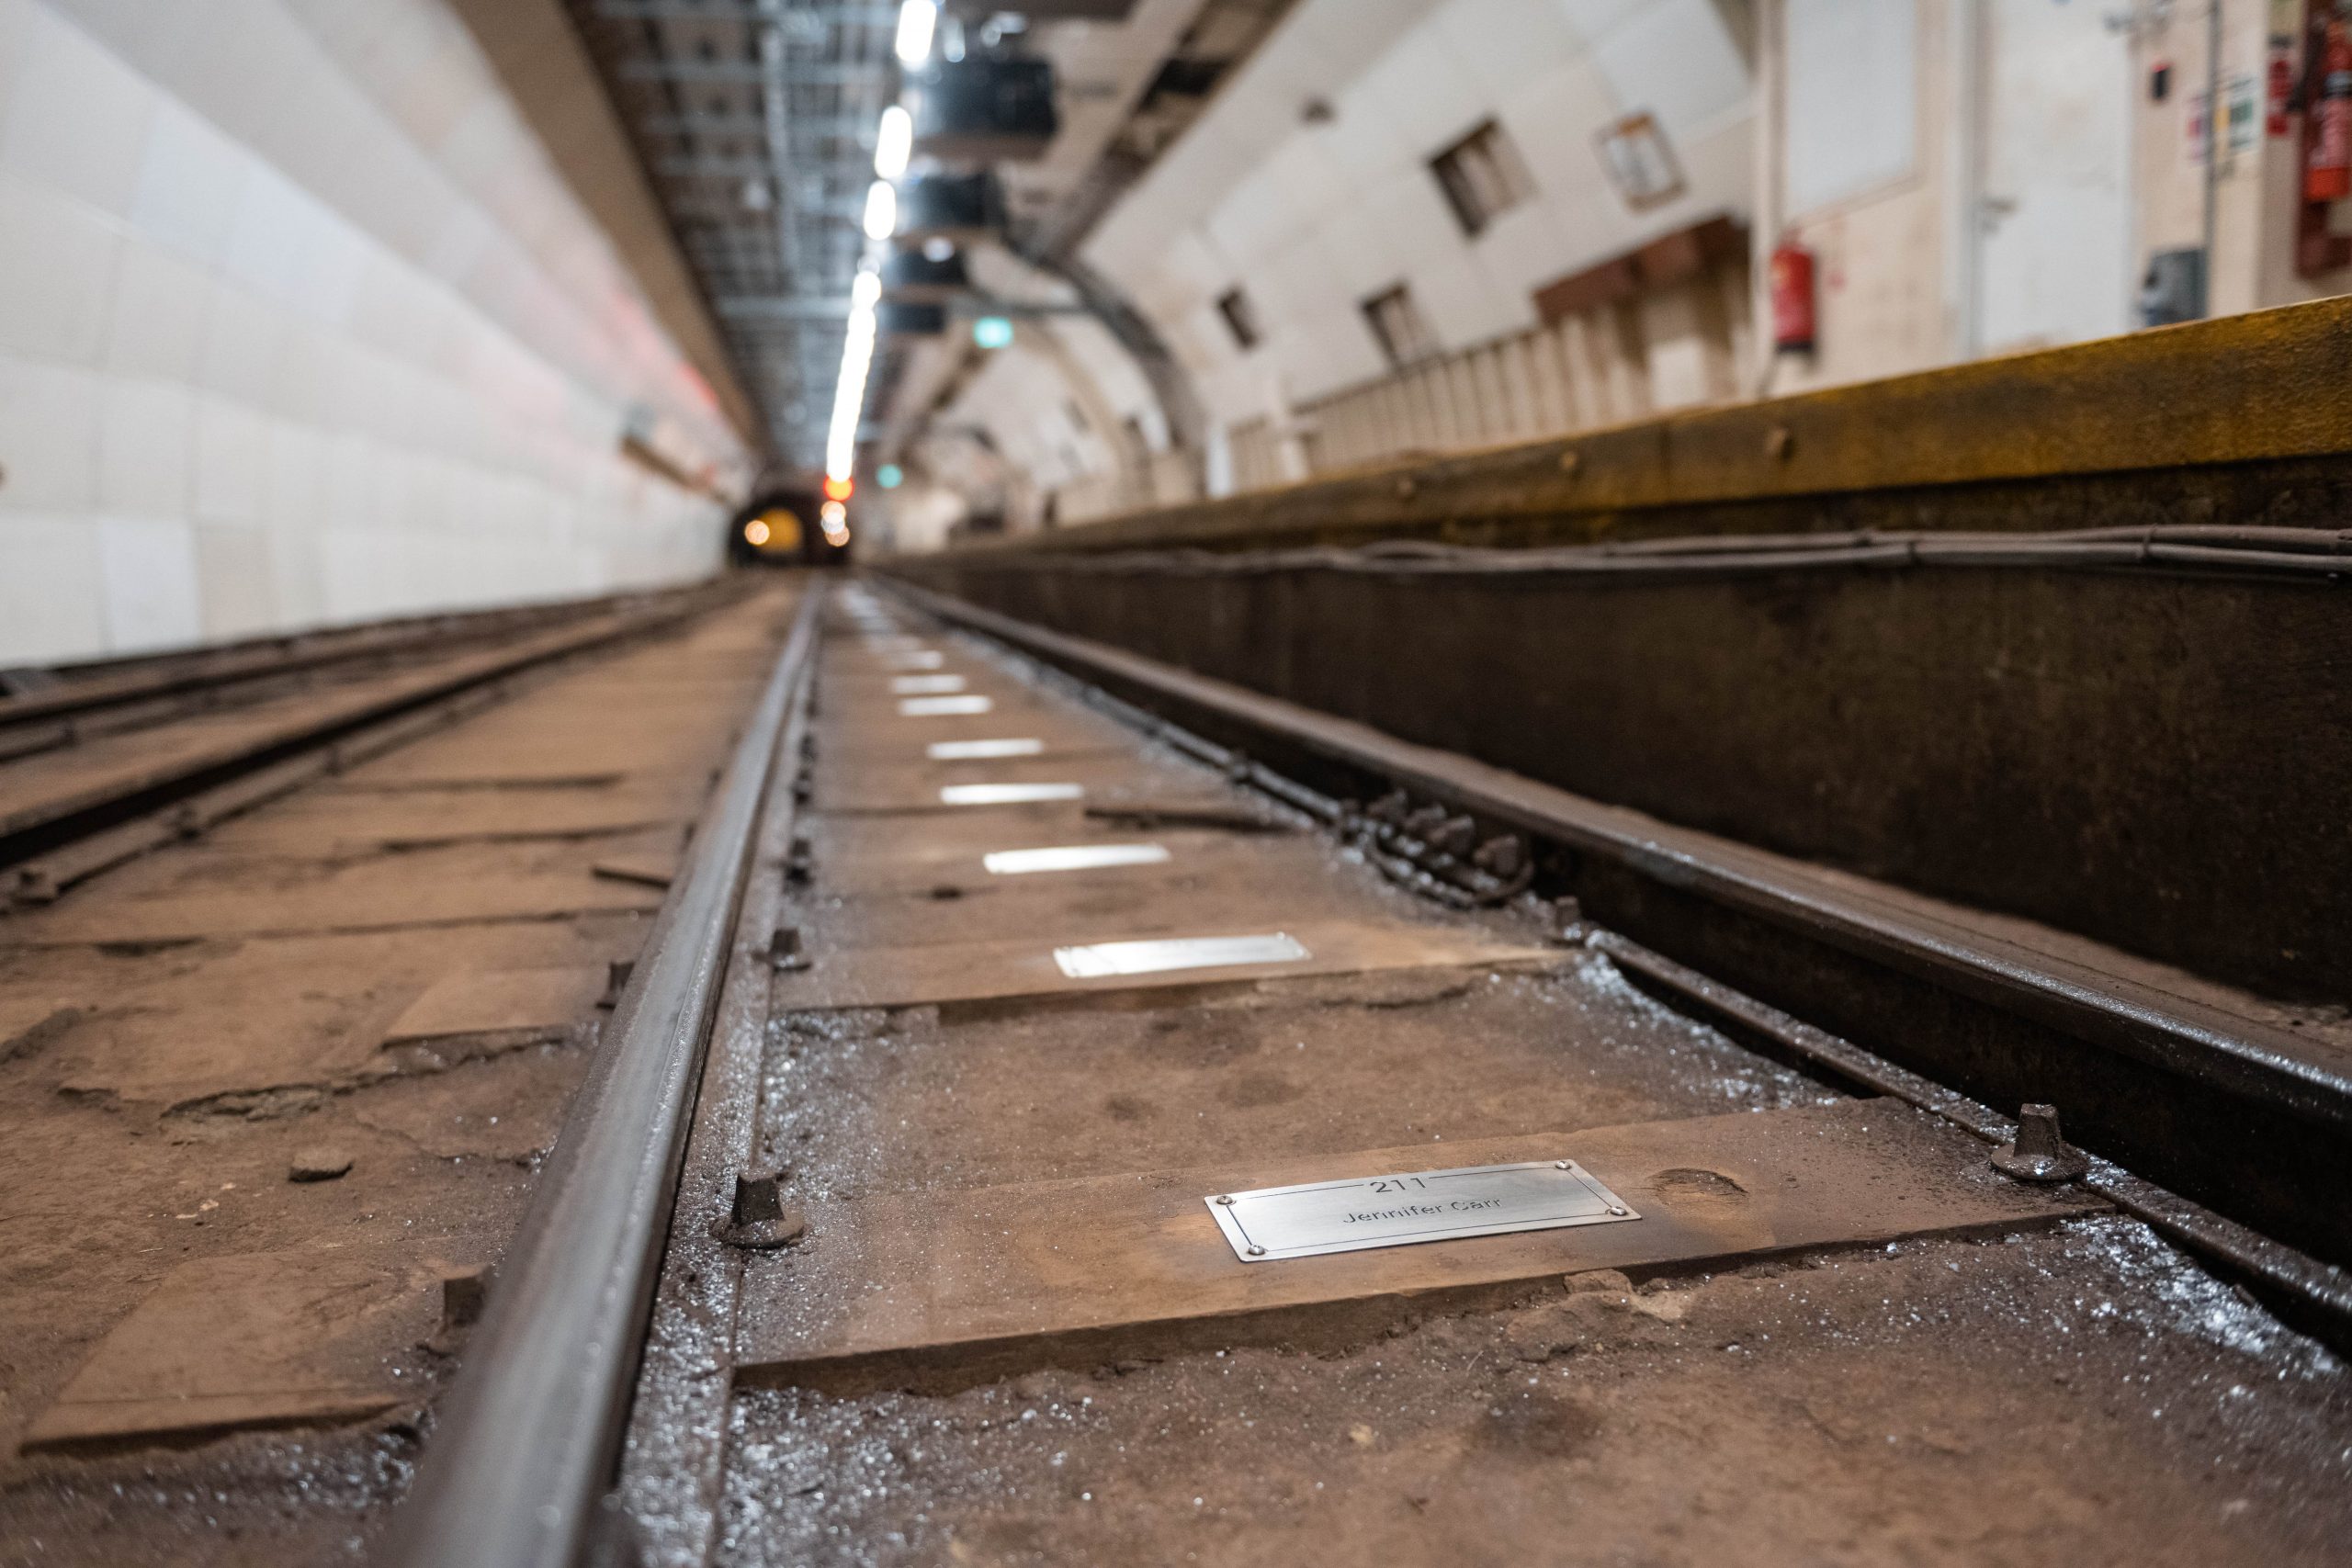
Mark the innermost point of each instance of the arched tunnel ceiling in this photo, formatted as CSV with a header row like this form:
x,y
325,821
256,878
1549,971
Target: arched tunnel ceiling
x,y
755,121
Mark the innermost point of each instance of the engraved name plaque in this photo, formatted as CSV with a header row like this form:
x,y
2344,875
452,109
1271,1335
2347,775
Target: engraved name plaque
x,y
1275,1223
1098,960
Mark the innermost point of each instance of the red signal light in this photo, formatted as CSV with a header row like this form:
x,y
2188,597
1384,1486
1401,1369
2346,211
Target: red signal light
x,y
839,489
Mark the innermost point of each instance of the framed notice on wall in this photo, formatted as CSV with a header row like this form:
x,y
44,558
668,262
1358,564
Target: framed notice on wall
x,y
1641,162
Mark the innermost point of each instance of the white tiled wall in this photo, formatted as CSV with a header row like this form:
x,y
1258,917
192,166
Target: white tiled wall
x,y
298,324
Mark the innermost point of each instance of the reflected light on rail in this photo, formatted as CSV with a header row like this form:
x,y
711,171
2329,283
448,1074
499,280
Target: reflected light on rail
x,y
756,532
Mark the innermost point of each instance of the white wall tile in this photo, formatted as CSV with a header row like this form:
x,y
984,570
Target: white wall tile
x,y
149,565
241,340
146,446
1502,44
76,117
1674,59
57,258
53,602
190,178
160,306
231,461
1554,123
49,437
15,42
1593,18
236,591
1519,251
1423,89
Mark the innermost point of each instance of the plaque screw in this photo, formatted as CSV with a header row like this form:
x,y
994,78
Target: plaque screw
x,y
1618,1209
1224,1199
1257,1252
1559,1164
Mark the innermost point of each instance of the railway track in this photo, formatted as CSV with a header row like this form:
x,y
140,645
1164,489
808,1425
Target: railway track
x,y
274,1085
1036,1132
100,765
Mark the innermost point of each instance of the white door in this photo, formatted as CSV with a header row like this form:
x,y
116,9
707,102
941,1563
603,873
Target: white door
x,y
2054,261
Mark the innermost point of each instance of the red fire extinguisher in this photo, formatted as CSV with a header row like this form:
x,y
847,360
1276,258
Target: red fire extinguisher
x,y
1792,299
2327,173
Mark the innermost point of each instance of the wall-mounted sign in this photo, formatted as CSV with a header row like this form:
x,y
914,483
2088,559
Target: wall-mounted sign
x,y
1640,162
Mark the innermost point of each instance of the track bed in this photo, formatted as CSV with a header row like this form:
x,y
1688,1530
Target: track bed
x,y
1010,1331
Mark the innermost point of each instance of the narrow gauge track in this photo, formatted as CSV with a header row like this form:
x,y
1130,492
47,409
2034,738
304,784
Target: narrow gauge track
x,y
990,998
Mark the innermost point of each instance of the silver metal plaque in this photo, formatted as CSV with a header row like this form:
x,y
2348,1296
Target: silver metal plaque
x,y
929,708
1107,958
982,751
1072,857
925,685
1275,1223
1008,793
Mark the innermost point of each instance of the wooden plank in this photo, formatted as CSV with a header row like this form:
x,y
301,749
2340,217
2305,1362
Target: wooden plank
x,y
260,1339
986,971
500,1001
1098,1265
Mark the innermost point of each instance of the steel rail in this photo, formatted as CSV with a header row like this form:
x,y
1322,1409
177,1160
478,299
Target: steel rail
x,y
528,1443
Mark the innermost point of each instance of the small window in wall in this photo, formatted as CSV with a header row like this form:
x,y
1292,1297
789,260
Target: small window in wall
x,y
1483,177
1240,317
1397,322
